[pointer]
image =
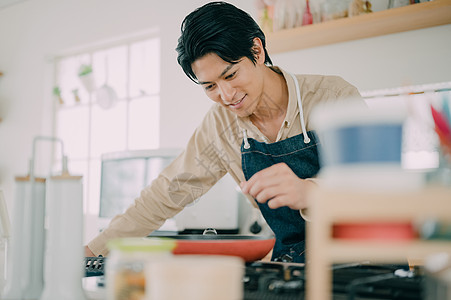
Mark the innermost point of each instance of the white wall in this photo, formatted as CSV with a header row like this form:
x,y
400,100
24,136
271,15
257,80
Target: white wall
x,y
414,57
33,31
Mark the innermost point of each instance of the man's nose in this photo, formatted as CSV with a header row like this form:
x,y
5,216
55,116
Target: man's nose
x,y
227,92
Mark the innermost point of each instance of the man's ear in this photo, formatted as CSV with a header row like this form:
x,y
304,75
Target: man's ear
x,y
259,51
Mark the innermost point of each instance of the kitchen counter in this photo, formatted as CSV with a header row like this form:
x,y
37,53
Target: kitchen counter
x,y
286,281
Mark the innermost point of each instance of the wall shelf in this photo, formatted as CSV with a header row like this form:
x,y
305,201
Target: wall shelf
x,y
406,18
331,206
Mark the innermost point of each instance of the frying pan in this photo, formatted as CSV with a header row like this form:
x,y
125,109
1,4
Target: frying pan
x,y
249,248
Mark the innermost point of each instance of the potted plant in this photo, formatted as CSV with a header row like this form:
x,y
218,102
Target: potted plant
x,y
85,73
57,93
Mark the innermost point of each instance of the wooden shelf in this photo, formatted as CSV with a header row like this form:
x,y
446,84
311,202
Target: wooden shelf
x,y
344,251
330,206
406,18
404,205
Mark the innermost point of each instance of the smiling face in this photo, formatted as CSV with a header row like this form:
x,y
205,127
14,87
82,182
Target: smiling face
x,y
236,86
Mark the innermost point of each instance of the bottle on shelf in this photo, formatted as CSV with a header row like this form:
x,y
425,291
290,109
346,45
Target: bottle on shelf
x,y
307,19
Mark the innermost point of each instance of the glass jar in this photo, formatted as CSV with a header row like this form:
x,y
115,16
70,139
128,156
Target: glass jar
x,y
287,14
334,9
125,270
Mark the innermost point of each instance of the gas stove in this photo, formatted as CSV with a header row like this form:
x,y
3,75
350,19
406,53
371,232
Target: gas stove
x,y
287,281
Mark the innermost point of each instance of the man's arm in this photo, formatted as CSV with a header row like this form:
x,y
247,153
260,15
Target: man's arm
x,y
168,194
88,252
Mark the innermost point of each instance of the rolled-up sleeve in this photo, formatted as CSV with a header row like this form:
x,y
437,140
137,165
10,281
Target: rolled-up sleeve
x,y
187,178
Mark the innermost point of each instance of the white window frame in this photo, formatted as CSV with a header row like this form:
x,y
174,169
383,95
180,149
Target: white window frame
x,y
91,176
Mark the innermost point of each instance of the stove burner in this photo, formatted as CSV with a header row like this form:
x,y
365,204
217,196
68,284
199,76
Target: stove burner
x,y
275,278
287,281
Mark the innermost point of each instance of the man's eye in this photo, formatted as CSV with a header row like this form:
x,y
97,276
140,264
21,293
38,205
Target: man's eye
x,y
209,87
231,75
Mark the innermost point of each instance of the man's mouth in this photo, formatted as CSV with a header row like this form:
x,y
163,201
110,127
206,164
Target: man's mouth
x,y
237,103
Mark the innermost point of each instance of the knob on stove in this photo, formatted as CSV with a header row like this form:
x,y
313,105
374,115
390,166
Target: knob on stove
x,y
284,258
255,228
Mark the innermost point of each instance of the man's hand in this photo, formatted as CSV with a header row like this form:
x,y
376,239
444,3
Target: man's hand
x,y
88,252
279,186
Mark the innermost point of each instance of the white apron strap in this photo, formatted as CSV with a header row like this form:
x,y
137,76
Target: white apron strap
x,y
301,112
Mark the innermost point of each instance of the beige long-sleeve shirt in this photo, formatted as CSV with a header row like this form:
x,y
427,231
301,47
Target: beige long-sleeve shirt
x,y
213,151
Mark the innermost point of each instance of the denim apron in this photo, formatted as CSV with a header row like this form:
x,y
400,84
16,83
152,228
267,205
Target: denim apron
x,y
300,153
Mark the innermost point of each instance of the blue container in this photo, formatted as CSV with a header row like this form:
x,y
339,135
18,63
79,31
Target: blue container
x,y
368,144
352,134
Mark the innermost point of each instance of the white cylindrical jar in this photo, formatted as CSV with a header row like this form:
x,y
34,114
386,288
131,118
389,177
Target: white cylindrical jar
x,y
64,239
196,277
25,278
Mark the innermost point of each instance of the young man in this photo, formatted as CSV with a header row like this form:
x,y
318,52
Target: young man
x,y
258,131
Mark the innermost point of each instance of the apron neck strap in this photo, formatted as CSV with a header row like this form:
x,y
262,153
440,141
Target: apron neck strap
x,y
245,139
301,112
301,116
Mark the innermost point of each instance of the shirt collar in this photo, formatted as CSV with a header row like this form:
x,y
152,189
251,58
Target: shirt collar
x,y
292,109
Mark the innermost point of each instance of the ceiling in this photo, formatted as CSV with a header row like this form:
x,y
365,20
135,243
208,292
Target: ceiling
x,y
7,3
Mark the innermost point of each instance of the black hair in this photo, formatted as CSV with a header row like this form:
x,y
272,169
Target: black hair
x,y
220,28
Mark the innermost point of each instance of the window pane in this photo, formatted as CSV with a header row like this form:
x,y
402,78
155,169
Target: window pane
x,y
68,81
144,123
110,67
87,129
122,181
145,68
108,131
80,168
93,187
73,128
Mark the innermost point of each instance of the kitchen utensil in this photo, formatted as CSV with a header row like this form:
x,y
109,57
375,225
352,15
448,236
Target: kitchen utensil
x,y
443,129
441,123
249,248
106,95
